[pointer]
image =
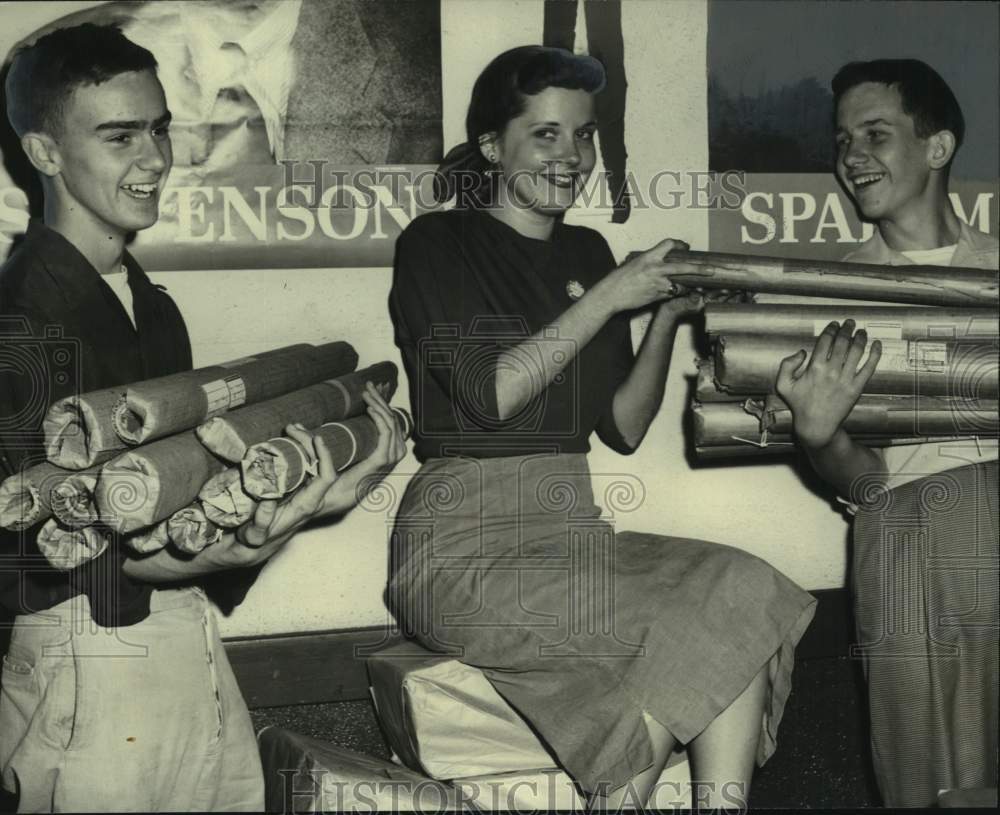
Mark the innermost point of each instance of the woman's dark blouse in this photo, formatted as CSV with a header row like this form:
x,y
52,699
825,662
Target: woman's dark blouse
x,y
466,288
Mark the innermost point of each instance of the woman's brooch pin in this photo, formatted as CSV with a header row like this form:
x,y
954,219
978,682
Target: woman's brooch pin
x,y
575,290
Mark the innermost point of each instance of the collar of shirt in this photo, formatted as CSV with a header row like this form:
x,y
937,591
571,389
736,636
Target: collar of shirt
x,y
974,250
66,264
261,62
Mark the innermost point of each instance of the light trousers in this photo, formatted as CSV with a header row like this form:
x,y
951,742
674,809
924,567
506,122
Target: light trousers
x,y
140,718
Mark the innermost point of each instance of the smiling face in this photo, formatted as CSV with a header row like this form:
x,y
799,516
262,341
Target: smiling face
x,y
113,153
547,153
881,161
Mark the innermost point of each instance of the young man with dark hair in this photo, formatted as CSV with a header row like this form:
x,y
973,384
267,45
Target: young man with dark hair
x,y
925,531
116,693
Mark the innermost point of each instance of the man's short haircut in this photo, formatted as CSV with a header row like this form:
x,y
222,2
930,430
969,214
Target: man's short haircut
x,y
926,96
43,75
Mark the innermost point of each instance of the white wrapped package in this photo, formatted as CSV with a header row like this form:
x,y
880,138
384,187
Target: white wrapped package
x,y
445,719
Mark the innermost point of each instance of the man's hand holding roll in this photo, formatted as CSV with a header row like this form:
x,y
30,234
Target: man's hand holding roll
x,y
356,482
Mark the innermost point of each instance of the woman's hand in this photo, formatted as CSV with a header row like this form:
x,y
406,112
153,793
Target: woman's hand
x,y
642,279
823,392
693,301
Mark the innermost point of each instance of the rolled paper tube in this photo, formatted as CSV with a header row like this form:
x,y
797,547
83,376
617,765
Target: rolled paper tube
x,y
191,531
79,431
276,467
919,285
224,500
728,423
748,364
147,541
229,435
26,496
66,548
149,484
171,404
705,389
74,502
772,449
875,414
899,323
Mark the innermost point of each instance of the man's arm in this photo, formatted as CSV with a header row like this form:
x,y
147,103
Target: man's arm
x,y
842,463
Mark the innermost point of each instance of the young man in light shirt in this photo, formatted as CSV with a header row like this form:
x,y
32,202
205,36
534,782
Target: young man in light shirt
x,y
117,694
925,531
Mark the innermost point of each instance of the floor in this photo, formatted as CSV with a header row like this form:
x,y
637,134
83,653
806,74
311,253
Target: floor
x,y
821,761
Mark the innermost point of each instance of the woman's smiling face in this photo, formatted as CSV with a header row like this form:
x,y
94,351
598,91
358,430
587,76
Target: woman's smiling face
x,y
547,153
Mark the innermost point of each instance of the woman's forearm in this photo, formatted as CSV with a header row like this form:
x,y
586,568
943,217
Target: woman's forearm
x,y
524,371
638,398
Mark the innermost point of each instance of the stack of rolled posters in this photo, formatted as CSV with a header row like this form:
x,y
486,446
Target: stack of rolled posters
x,y
92,428
937,378
279,466
175,489
229,435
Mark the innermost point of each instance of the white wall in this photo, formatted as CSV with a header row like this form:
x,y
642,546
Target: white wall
x,y
333,576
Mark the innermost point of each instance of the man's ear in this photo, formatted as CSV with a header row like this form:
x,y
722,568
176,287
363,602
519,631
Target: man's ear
x,y
940,149
488,147
42,152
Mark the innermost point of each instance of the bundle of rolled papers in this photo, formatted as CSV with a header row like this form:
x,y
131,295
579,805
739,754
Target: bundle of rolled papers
x,y
177,484
937,378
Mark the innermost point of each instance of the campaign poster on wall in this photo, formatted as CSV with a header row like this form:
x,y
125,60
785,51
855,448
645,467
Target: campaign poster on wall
x,y
305,132
770,113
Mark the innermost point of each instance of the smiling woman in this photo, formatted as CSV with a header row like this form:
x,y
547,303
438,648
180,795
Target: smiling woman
x,y
514,329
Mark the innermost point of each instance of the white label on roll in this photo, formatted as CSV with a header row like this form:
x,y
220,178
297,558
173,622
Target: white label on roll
x,y
224,394
928,356
917,356
876,329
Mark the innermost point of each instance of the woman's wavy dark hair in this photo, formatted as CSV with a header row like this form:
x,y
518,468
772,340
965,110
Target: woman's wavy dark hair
x,y
500,95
